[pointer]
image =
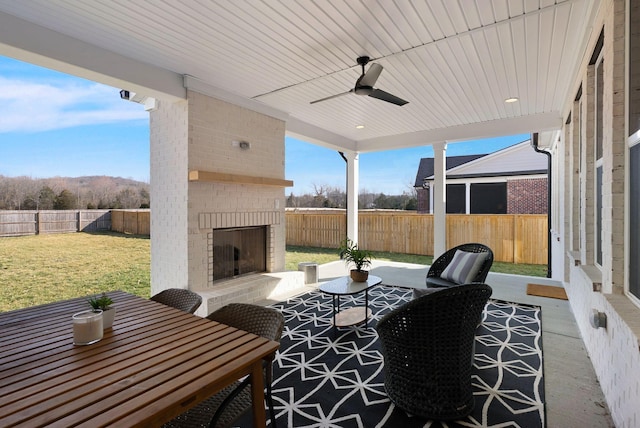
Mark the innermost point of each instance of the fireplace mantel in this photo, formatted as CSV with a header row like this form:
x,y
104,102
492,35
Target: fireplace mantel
x,y
197,175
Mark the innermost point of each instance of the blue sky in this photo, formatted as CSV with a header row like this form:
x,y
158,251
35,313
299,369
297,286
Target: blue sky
x,y
53,124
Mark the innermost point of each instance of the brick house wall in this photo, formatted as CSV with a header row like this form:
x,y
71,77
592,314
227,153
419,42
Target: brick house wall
x,y
423,200
527,196
590,287
524,196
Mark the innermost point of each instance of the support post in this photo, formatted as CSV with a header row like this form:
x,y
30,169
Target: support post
x,y
353,173
439,199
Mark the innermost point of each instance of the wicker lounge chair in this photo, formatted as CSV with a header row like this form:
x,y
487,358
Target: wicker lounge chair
x,y
434,276
179,298
427,345
225,407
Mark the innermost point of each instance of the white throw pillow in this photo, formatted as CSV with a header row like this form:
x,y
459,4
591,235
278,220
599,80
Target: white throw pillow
x,y
463,267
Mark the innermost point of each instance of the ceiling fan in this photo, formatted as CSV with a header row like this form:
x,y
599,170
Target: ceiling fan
x,y
364,85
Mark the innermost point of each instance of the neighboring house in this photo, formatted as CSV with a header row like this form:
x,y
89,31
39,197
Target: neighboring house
x,y
510,181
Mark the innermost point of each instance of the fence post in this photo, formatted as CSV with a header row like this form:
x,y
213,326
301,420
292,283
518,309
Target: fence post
x,y
38,222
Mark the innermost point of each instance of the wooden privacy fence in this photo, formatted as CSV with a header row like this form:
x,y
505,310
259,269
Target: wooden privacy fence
x,y
136,222
514,238
18,223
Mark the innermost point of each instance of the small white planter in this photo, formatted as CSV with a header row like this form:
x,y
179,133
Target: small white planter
x,y
107,317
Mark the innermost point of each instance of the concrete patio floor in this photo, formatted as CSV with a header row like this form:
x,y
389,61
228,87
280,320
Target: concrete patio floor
x,y
572,393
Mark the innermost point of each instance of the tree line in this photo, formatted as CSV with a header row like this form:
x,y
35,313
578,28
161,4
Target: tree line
x,y
64,193
335,197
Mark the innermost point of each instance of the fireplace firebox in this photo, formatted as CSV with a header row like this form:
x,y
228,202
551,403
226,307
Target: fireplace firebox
x,y
239,251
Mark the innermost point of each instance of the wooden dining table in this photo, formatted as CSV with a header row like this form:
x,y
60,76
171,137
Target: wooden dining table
x,y
154,364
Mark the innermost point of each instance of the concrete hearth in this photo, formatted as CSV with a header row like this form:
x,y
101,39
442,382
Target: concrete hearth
x,y
250,289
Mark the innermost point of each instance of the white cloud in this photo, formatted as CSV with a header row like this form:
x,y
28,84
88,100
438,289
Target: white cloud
x,y
28,107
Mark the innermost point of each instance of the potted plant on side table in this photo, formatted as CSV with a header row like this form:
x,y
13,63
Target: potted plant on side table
x,y
359,258
108,313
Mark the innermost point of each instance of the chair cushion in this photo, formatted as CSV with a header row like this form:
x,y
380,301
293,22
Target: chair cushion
x,y
419,292
437,282
463,267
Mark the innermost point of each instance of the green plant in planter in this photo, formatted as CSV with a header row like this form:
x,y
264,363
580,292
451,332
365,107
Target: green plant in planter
x,y
104,302
101,302
351,254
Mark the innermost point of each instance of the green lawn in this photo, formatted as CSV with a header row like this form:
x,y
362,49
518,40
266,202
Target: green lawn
x,y
296,255
44,268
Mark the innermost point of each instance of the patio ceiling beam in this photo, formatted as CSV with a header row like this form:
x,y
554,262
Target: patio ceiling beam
x,y
32,43
496,128
301,130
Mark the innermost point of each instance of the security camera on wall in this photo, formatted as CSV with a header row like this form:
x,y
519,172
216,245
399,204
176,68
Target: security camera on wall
x,y
132,96
150,103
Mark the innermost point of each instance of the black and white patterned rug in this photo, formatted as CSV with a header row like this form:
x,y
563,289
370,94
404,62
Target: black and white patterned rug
x,y
322,379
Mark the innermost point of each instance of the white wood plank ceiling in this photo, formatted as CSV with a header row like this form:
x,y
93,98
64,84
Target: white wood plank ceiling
x,y
455,61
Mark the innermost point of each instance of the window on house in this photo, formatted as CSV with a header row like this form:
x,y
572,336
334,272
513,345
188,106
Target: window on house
x,y
634,219
578,170
488,198
634,67
633,286
598,159
456,199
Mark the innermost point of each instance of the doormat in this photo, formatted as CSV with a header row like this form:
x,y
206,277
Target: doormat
x,y
547,291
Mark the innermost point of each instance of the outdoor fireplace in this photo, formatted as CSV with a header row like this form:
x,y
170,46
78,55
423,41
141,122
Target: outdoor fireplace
x,y
239,251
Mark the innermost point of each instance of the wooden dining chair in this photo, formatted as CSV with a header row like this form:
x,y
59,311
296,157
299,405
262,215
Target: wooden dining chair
x,y
179,298
226,406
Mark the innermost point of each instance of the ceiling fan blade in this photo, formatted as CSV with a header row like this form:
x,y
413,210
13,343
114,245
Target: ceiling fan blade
x,y
330,97
385,96
370,77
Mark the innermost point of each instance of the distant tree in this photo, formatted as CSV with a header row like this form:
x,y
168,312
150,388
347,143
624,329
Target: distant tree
x,y
333,197
337,197
292,201
46,198
411,205
365,199
105,191
101,191
380,202
128,198
30,203
144,194
65,201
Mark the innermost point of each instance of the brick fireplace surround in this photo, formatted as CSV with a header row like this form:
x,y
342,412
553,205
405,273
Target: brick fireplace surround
x,y
205,180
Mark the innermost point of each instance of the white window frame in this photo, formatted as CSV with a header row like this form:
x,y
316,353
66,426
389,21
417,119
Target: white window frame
x,y
598,163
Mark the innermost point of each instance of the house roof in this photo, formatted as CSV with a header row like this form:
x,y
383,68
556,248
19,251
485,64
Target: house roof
x,y
426,170
518,159
454,61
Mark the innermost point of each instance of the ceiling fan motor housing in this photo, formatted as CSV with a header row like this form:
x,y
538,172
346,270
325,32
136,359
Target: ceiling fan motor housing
x,y
363,90
363,60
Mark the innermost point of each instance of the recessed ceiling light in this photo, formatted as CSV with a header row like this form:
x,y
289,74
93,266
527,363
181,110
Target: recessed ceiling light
x,y
359,126
511,100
